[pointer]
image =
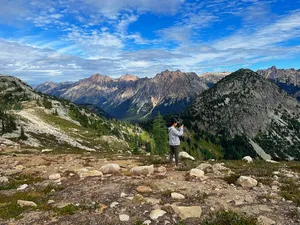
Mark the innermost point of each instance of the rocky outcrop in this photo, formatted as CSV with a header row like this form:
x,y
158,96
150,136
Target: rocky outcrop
x,y
130,97
246,104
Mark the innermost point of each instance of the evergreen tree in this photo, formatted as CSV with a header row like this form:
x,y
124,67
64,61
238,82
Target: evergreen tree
x,y
22,135
160,136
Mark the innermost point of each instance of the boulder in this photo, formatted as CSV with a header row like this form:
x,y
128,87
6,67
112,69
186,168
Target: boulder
x,y
219,167
185,212
206,167
185,155
54,176
197,173
156,213
248,159
246,182
123,217
142,170
263,220
177,196
23,203
110,169
3,181
161,170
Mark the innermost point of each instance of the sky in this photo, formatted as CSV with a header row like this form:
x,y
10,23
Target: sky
x,y
68,40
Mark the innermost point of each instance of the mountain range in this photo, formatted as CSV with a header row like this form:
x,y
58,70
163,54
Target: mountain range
x,y
130,97
133,98
245,104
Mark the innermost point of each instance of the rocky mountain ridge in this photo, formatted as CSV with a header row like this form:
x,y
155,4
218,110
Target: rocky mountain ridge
x,y
246,104
130,97
36,121
287,79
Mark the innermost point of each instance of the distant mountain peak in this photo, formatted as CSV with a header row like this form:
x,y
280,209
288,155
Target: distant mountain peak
x,y
99,78
128,77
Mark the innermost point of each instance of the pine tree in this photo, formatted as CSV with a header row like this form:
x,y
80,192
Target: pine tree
x,y
22,135
160,135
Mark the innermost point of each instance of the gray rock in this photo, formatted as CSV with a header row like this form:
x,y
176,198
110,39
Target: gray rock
x,y
142,170
185,212
177,196
263,220
110,169
246,182
156,213
23,203
124,217
3,180
54,176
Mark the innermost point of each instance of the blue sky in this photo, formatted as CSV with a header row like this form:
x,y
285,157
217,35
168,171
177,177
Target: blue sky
x,y
69,40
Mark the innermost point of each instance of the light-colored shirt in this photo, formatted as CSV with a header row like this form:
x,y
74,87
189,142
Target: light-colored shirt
x,y
174,135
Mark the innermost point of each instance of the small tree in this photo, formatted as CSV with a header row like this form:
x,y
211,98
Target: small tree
x,y
22,134
160,135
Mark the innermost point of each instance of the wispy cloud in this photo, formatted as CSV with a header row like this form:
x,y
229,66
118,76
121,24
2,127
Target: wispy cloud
x,y
62,41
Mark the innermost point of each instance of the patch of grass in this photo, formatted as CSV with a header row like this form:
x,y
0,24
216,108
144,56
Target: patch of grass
x,y
223,217
155,160
187,165
9,207
166,193
67,210
231,179
258,168
290,190
16,181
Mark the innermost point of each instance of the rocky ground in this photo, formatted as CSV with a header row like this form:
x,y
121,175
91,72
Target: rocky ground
x,y
85,188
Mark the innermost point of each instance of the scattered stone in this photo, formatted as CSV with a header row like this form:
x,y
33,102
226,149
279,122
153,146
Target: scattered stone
x,y
271,161
185,155
263,220
23,203
197,173
152,201
156,213
110,169
142,170
123,195
3,180
124,217
185,212
22,187
206,167
19,167
246,182
144,189
248,159
147,222
54,176
220,167
47,150
161,170
114,204
177,196
90,173
50,202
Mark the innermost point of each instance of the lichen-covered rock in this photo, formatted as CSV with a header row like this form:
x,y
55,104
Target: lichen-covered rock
x,y
142,170
246,182
185,155
110,169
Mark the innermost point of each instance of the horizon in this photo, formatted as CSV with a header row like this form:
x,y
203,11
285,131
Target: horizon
x,y
58,41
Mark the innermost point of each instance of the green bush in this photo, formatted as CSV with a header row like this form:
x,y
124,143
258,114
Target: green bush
x,y
223,217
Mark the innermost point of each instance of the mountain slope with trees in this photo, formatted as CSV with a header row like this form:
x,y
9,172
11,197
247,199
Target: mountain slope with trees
x,y
251,111
38,121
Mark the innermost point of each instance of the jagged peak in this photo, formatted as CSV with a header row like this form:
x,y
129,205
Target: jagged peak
x,y
99,78
128,77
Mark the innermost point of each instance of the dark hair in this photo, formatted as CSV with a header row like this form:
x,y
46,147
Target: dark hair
x,y
174,120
